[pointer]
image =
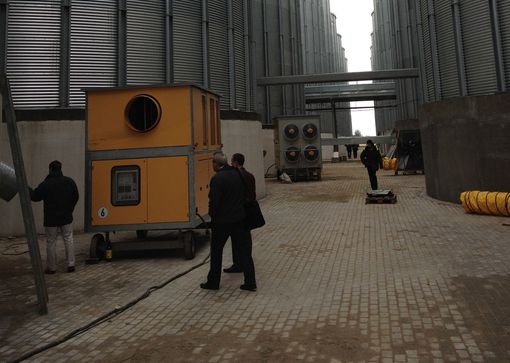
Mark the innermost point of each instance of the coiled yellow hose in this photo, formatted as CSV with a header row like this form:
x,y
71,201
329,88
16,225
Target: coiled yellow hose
x,y
492,203
390,164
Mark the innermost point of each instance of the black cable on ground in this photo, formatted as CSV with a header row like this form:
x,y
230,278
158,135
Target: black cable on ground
x,y
106,316
267,171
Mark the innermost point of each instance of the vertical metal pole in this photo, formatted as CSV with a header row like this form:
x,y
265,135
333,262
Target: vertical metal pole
x,y
231,55
65,51
26,206
205,44
421,54
266,61
293,51
122,43
282,56
433,43
169,34
4,11
498,47
335,125
247,54
459,48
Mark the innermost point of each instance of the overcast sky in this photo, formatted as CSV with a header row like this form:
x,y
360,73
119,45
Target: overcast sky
x,y
354,23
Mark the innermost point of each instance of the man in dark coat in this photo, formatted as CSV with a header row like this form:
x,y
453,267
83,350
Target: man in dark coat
x,y
251,195
371,158
60,196
226,209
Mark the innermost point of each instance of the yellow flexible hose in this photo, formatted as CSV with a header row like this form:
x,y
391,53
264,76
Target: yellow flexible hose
x,y
492,203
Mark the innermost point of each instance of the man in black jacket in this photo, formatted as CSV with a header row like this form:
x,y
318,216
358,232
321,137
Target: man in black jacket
x,y
60,196
371,158
251,195
226,209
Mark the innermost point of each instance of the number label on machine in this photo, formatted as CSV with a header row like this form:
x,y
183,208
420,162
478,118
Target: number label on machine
x,y
102,212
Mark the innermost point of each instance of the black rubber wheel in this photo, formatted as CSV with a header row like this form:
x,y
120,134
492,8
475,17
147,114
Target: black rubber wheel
x,y
142,233
189,245
97,246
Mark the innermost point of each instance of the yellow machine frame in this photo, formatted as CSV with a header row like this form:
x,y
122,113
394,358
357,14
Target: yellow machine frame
x,y
167,166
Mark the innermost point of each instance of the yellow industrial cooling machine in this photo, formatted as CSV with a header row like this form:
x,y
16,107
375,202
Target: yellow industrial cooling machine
x,y
148,160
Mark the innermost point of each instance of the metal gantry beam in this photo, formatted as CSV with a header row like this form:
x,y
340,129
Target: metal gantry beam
x,y
359,140
339,77
350,92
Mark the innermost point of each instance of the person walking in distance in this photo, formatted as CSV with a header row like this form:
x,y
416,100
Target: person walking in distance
x,y
251,195
371,158
226,209
60,195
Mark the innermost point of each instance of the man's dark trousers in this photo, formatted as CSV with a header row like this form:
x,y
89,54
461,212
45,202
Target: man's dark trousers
x,y
373,177
242,239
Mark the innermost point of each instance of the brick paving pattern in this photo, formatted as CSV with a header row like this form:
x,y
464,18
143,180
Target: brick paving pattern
x,y
339,281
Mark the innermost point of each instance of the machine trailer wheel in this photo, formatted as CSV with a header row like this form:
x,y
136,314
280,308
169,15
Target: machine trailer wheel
x,y
97,246
189,245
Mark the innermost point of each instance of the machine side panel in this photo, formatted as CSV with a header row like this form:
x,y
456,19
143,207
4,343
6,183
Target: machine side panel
x,y
202,178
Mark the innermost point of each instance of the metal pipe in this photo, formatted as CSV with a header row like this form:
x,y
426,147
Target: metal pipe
x,y
459,48
24,195
121,43
498,47
435,56
339,77
335,124
205,47
169,37
231,57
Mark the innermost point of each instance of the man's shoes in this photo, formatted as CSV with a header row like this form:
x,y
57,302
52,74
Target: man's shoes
x,y
233,269
249,287
71,269
208,286
49,272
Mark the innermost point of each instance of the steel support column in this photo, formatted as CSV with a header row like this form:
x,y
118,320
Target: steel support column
x,y
459,48
335,125
433,43
169,42
205,45
65,52
231,55
247,54
498,47
122,43
4,12
266,61
281,39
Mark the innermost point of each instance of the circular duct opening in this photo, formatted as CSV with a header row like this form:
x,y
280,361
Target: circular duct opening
x,y
310,131
311,153
292,154
143,113
291,132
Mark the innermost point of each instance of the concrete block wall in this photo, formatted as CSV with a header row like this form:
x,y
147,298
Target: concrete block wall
x,y
466,145
45,141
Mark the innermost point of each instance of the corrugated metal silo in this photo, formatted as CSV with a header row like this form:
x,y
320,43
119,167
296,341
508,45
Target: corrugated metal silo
x,y
146,50
503,9
33,56
93,56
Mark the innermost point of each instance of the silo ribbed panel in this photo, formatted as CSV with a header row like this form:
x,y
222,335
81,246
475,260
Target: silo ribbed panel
x,y
187,41
93,47
145,42
504,31
33,52
448,68
218,50
478,47
240,54
427,52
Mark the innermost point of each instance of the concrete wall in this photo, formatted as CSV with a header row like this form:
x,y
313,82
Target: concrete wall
x,y
268,151
45,141
245,137
466,145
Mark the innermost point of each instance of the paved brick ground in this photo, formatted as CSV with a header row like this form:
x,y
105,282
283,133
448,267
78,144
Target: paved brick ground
x,y
339,281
